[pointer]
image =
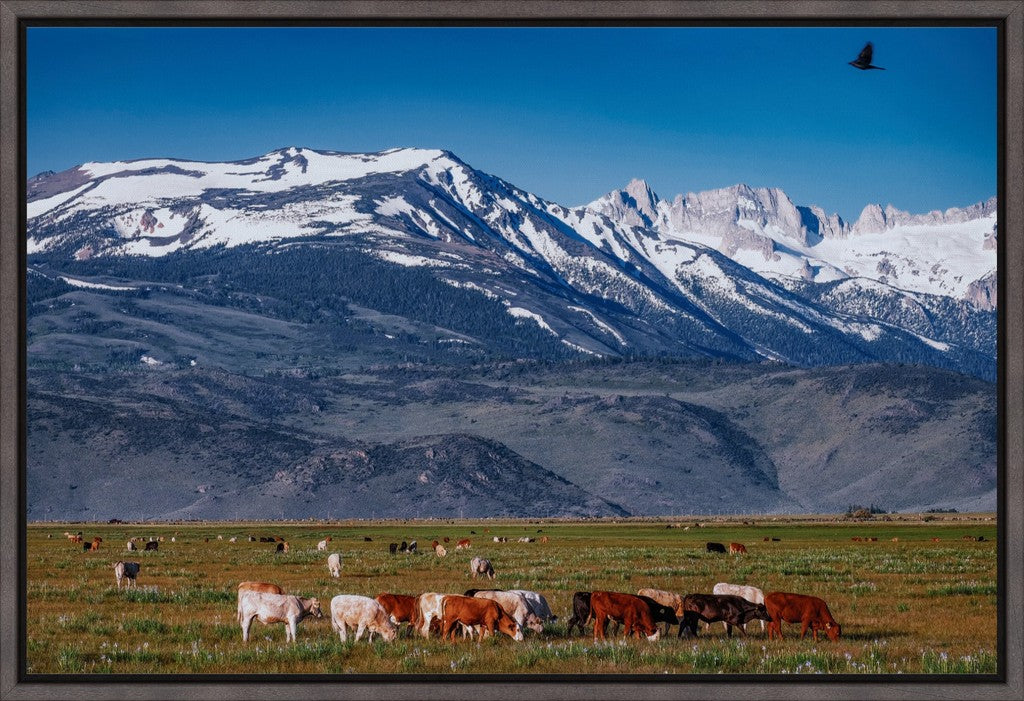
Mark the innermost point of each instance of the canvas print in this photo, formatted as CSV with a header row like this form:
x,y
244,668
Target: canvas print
x,y
511,350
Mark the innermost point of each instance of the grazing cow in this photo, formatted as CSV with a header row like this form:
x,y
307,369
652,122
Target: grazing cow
x,y
446,539
400,607
936,540
275,608
514,605
434,544
665,598
322,545
430,607
361,613
751,594
543,539
152,545
440,551
873,539
412,548
715,548
279,548
580,611
462,544
393,548
367,539
472,612
766,539
126,569
252,539
404,547
232,539
776,540
661,613
266,539
737,548
856,539
75,538
265,587
175,540
632,611
479,565
334,564
735,611
809,611
527,539
537,603
93,546
895,540
132,546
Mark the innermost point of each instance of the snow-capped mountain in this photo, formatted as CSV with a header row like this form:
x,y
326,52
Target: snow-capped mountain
x,y
736,273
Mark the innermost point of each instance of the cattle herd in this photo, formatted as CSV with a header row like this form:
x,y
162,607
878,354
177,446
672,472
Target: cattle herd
x,y
487,612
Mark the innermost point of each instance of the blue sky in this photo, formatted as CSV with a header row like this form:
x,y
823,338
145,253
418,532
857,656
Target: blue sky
x,y
566,113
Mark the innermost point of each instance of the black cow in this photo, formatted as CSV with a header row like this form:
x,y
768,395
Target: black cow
x,y
367,539
733,610
580,611
472,592
393,548
404,547
716,548
688,625
152,545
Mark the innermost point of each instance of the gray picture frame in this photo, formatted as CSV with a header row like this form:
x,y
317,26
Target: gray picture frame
x,y
13,13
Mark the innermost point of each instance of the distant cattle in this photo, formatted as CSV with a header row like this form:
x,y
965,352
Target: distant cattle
x,y
715,548
809,611
275,608
400,607
266,539
526,539
361,613
129,570
751,594
735,611
132,546
334,564
322,545
279,548
873,539
856,539
462,544
412,548
580,611
404,547
252,539
152,545
232,539
367,539
434,544
446,539
895,540
543,539
936,540
393,548
632,611
93,546
737,548
482,614
479,565
440,550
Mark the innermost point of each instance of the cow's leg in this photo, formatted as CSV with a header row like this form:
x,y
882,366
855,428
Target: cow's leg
x,y
246,624
293,626
600,624
359,631
804,625
343,631
728,629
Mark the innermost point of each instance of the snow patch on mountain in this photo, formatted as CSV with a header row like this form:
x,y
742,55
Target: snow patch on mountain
x,y
521,313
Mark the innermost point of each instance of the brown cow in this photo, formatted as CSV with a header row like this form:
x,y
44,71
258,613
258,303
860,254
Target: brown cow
x,y
632,611
93,546
936,540
464,543
856,539
471,612
400,607
737,548
809,611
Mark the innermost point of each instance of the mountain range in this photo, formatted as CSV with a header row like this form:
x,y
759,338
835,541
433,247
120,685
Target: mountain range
x,y
308,261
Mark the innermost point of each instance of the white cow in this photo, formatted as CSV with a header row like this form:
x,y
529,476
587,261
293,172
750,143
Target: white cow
x,y
537,603
334,564
665,598
479,565
126,569
440,550
431,607
361,613
322,545
751,594
132,545
275,608
514,604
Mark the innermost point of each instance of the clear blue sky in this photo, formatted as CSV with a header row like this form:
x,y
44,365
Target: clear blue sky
x,y
567,113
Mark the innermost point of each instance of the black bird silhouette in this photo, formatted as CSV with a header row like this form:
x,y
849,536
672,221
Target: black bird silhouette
x,y
863,61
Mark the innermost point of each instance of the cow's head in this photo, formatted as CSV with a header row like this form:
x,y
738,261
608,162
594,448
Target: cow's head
x,y
389,630
508,626
833,630
314,608
655,635
760,612
534,623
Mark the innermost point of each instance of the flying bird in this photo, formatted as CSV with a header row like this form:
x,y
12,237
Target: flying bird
x,y
863,61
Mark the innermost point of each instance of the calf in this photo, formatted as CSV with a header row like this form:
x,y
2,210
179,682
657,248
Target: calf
x,y
715,548
440,551
462,544
472,612
479,565
751,594
322,545
393,548
275,608
152,545
361,613
737,548
334,564
735,611
126,569
132,546
809,611
580,611
632,611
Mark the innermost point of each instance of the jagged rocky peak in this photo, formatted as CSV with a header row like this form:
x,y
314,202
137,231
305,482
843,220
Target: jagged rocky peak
x,y
873,219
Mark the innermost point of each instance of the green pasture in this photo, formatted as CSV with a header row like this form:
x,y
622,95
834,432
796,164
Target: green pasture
x,y
912,605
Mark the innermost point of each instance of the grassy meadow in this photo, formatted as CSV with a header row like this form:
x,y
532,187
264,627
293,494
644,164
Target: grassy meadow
x,y
912,605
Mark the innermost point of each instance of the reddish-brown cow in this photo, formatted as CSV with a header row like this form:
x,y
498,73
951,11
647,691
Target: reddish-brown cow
x,y
632,611
470,612
809,611
736,548
400,607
